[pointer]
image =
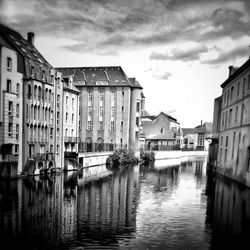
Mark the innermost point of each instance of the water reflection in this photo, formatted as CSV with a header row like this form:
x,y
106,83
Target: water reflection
x,y
162,205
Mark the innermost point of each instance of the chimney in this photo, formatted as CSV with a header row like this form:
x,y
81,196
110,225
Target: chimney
x,y
201,122
31,37
230,70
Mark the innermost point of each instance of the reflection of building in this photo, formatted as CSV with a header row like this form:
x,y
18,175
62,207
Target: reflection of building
x,y
110,105
162,132
110,202
31,107
228,214
195,138
232,125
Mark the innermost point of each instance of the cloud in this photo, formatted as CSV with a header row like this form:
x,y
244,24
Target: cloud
x,y
180,55
105,25
226,56
164,76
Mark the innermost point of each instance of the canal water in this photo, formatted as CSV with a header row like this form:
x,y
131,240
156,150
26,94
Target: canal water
x,y
165,205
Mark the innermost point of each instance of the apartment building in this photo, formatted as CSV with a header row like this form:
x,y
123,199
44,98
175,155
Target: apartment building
x,y
232,125
70,117
110,106
31,107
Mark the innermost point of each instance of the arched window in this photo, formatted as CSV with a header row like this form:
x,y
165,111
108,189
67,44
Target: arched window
x,y
100,144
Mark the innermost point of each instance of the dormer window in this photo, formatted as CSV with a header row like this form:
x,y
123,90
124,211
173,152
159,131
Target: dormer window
x,y
101,82
9,64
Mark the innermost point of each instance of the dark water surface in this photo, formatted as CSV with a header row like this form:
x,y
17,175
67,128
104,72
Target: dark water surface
x,y
142,207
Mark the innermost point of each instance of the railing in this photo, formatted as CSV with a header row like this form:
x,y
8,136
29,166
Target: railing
x,y
42,156
161,147
100,147
10,158
70,139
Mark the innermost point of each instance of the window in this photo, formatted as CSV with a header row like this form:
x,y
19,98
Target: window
x,y
51,133
112,96
122,108
121,128
43,75
67,99
137,121
101,111
39,93
57,118
226,141
17,131
238,88
137,135
112,125
66,132
17,110
72,132
232,92
8,85
225,96
233,144
137,107
89,125
67,115
73,100
51,78
9,64
236,114
90,110
10,108
18,89
10,127
16,149
100,125
242,113
57,149
72,119
90,96
230,116
112,111
101,96
32,71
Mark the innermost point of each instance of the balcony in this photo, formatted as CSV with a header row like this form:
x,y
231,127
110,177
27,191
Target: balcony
x,y
70,139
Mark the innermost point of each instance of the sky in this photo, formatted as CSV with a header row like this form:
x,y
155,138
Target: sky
x,y
178,50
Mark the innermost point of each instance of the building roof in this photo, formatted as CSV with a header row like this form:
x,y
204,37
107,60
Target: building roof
x,y
24,47
168,116
235,73
99,76
204,128
148,117
167,135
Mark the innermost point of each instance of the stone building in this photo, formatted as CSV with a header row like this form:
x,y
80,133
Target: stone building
x,y
70,122
31,107
232,125
110,105
162,132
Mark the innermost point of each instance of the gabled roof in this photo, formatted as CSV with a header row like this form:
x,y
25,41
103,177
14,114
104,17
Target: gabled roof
x,y
99,76
26,49
167,135
168,117
204,128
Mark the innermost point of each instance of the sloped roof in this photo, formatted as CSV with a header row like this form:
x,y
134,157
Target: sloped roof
x,y
99,76
204,128
150,117
25,48
168,116
167,135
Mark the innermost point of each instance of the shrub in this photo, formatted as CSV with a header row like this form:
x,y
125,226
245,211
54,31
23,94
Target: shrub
x,y
146,157
121,157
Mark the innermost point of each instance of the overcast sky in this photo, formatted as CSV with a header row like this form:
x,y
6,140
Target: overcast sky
x,y
179,50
